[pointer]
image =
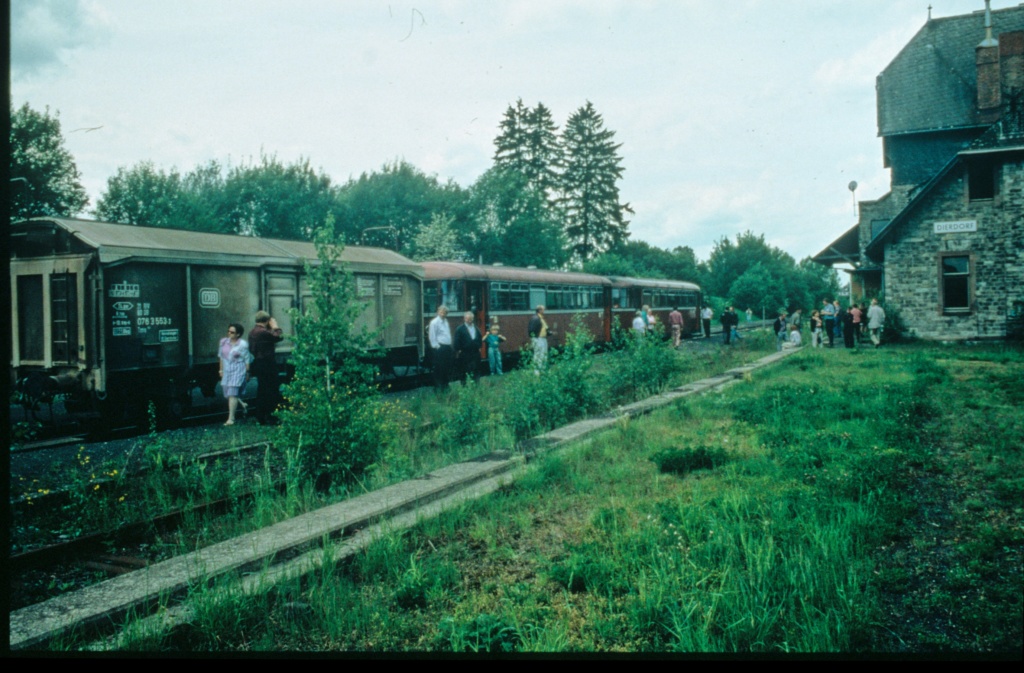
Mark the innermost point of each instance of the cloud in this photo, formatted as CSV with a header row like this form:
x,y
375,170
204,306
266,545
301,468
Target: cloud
x,y
44,31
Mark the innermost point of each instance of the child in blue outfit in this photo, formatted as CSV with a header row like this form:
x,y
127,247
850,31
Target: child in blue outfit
x,y
493,341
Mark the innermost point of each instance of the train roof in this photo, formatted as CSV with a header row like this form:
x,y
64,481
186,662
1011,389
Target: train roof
x,y
656,283
115,243
465,271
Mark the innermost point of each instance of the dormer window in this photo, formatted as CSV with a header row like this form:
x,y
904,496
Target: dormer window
x,y
982,179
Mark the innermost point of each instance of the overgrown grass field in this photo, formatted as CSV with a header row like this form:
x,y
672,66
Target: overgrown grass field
x,y
843,501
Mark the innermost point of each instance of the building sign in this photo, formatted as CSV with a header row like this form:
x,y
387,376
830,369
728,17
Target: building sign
x,y
392,286
957,227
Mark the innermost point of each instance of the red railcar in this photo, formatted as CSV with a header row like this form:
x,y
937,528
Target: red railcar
x,y
510,295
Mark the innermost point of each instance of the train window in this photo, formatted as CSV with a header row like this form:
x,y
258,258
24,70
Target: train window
x,y
519,293
538,296
451,295
30,317
554,299
63,317
619,298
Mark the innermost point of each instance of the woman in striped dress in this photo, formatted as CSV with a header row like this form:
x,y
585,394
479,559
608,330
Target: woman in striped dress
x,y
234,368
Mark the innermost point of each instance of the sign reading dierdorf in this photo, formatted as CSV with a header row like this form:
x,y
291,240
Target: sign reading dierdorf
x,y
956,227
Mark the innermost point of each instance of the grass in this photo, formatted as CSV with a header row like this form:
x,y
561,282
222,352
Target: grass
x,y
869,503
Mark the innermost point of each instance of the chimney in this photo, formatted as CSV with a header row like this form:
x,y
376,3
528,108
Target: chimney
x,y
1011,62
986,58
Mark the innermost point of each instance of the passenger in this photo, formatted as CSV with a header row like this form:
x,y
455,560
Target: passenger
x,y
876,320
837,323
816,329
645,312
750,315
779,327
263,342
675,320
845,319
639,326
538,331
795,339
467,348
494,340
440,336
828,314
857,316
234,368
729,320
706,315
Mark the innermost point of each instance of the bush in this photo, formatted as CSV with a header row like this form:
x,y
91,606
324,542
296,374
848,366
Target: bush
x,y
334,416
681,461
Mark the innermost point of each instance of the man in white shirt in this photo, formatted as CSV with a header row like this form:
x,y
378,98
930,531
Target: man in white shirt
x,y
440,336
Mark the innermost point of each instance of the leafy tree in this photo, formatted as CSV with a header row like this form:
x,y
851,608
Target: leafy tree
x,y
595,220
276,200
437,240
509,222
44,178
142,195
758,289
643,260
334,416
390,206
728,261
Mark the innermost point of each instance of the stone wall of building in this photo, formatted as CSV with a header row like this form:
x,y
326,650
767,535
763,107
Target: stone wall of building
x,y
912,272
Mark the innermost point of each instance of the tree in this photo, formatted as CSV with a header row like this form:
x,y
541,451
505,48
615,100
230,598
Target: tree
x,y
45,180
142,195
509,222
437,240
276,200
759,290
334,417
594,217
728,261
389,207
646,261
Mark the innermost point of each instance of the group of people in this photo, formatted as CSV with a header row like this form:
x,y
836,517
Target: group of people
x,y
241,359
848,324
462,352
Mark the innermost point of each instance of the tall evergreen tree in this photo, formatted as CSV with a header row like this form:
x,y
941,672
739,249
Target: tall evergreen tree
x,y
595,220
511,144
544,157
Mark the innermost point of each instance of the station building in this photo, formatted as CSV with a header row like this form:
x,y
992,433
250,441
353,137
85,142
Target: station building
x,y
945,245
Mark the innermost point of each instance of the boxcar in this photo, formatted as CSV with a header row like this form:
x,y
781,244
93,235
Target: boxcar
x,y
116,315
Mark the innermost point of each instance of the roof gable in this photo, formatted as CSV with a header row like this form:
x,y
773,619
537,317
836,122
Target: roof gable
x,y
932,82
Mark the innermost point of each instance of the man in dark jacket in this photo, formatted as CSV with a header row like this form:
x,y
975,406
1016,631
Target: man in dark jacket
x,y
468,343
263,340
729,319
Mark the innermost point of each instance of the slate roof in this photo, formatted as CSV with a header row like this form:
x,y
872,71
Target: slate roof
x,y
932,82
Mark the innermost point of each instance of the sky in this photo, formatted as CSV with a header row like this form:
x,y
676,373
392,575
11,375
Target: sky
x,y
733,115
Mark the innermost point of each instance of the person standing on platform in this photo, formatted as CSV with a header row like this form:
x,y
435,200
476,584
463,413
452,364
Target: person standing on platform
x,y
876,320
538,330
468,343
263,340
440,336
675,320
705,318
828,317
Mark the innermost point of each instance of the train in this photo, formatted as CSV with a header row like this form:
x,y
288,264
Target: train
x,y
113,317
